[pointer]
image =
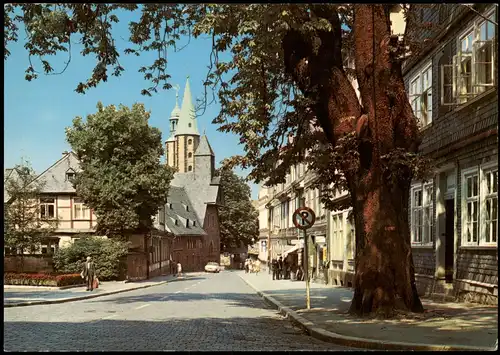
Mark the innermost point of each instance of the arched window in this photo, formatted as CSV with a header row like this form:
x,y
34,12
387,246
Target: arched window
x,y
190,155
190,168
190,141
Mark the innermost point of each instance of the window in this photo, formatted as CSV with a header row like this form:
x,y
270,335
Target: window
x,y
70,175
421,95
471,207
190,168
472,70
490,184
189,125
480,205
422,214
337,228
47,208
80,210
190,141
190,155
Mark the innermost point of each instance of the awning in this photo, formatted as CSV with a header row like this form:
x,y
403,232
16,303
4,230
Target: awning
x,y
293,249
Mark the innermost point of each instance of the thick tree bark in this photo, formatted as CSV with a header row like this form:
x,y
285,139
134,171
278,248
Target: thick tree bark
x,y
384,265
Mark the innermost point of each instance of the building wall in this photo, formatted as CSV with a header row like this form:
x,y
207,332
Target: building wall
x,y
170,150
459,137
183,149
212,228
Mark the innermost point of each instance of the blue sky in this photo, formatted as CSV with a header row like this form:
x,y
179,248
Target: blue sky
x,y
36,113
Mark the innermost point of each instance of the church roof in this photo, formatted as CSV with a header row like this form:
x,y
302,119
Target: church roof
x,y
180,215
204,147
187,124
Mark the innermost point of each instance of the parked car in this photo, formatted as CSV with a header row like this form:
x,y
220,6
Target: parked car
x,y
212,267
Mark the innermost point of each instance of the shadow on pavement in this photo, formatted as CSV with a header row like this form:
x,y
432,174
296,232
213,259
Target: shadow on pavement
x,y
177,279
232,333
232,299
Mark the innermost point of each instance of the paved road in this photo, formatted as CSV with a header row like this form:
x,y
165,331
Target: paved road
x,y
204,312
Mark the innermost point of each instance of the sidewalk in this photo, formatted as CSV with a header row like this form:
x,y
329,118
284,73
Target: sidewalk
x,y
443,326
17,296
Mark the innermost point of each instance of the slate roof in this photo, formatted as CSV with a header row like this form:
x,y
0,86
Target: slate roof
x,y
201,190
55,175
179,208
204,148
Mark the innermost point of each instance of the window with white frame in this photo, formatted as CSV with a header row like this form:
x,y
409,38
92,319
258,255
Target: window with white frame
x,y
80,210
490,225
471,212
421,94
422,214
47,208
472,71
480,206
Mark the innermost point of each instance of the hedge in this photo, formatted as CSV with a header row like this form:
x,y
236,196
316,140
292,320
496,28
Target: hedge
x,y
42,279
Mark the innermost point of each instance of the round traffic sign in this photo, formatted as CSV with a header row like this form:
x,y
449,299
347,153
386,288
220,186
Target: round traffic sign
x,y
303,218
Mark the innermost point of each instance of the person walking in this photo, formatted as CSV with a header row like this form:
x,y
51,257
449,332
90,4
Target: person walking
x,y
257,267
274,264
280,267
88,273
246,266
179,269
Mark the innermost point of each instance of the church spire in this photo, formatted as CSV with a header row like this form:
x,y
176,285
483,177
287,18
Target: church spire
x,y
187,120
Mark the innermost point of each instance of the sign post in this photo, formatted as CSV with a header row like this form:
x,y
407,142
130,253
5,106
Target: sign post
x,y
304,218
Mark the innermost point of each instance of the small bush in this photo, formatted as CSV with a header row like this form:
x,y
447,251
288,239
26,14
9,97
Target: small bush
x,y
106,254
41,279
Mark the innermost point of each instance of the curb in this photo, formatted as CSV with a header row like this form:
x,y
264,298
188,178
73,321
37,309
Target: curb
x,y
44,288
72,299
355,342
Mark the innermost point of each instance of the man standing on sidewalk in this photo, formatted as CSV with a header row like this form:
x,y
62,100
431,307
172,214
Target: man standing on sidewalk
x,y
88,273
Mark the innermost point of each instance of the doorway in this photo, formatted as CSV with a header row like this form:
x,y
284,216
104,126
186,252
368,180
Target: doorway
x,y
449,244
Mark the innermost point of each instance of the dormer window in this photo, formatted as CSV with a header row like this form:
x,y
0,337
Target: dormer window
x,y
187,223
194,223
176,222
70,175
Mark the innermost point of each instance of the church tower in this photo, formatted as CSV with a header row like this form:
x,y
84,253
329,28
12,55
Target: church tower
x,y
170,143
184,137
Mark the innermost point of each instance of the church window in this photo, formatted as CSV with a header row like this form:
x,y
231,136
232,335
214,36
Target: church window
x,y
190,141
190,168
190,155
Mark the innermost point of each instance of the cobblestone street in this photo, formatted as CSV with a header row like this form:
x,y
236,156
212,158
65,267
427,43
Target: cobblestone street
x,y
203,312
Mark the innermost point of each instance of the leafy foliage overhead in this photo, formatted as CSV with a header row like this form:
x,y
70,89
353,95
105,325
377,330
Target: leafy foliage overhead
x,y
260,100
239,220
122,178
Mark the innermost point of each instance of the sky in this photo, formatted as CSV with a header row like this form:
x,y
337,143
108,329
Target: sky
x,y
37,112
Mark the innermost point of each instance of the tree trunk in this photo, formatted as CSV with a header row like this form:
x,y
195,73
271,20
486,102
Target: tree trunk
x,y
384,125
384,269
